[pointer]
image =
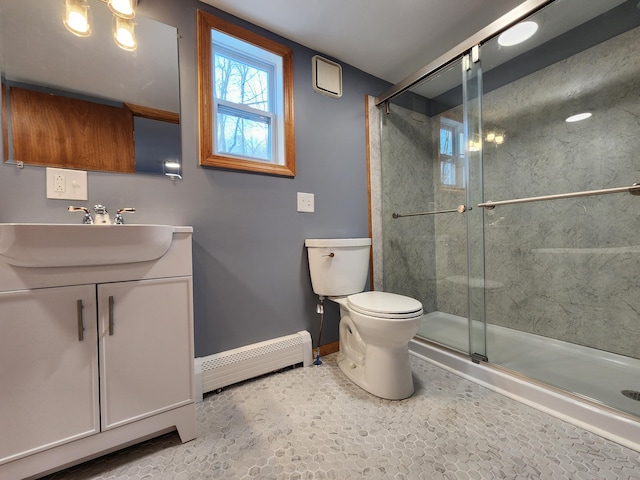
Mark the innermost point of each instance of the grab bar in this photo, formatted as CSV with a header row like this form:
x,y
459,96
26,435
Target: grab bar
x,y
633,190
459,209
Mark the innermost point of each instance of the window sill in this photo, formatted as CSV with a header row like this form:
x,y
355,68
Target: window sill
x,y
247,165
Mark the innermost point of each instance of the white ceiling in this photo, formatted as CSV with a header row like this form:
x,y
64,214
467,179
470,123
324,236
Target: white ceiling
x,y
390,39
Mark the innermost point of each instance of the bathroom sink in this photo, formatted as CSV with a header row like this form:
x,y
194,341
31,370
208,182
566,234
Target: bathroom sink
x,y
73,245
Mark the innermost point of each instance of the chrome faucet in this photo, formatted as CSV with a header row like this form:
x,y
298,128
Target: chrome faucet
x,y
101,215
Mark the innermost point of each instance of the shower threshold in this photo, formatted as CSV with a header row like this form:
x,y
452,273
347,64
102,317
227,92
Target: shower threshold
x,y
580,383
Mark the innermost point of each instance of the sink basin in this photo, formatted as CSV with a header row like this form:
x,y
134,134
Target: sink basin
x,y
74,245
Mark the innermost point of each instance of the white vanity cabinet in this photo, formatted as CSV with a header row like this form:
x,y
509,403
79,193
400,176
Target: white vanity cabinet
x,y
93,359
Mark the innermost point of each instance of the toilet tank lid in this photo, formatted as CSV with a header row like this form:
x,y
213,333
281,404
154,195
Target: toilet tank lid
x,y
337,242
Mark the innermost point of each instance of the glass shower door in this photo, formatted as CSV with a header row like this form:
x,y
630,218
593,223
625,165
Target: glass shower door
x,y
423,164
472,107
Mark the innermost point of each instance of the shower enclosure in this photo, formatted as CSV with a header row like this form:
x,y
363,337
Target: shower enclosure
x,y
515,223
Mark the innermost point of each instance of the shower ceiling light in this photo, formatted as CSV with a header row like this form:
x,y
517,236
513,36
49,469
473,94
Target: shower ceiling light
x,y
578,117
518,34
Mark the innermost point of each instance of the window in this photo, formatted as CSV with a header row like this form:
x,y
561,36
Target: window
x,y
451,153
246,99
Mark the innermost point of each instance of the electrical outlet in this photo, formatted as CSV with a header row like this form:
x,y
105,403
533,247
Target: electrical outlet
x,y
66,184
59,184
306,202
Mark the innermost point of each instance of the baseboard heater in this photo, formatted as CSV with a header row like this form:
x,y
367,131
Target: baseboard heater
x,y
226,368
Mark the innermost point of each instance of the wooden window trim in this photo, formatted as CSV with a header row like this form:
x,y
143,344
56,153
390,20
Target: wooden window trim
x,y
208,158
153,113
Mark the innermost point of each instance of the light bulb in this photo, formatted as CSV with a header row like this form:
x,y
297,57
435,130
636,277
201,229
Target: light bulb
x,y
76,18
123,8
499,139
124,34
491,136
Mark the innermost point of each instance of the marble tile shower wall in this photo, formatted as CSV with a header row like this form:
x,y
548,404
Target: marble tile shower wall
x,y
407,176
568,267
565,269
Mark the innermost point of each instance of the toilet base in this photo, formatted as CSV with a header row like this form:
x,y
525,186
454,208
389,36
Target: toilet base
x,y
385,372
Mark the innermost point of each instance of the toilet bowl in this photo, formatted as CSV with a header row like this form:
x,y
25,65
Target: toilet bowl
x,y
375,327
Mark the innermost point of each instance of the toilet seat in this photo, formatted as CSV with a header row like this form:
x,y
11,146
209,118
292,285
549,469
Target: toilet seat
x,y
385,305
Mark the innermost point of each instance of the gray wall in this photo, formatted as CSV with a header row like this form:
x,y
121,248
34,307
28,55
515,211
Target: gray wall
x,y
251,279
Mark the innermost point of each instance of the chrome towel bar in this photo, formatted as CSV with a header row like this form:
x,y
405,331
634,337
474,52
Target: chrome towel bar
x,y
458,209
633,190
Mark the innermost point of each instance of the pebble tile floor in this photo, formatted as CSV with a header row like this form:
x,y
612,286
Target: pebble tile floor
x,y
313,423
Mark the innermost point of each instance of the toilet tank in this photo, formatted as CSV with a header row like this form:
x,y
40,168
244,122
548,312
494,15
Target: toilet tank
x,y
338,266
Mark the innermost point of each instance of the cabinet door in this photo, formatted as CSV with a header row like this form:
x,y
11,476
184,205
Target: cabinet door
x,y
146,358
48,373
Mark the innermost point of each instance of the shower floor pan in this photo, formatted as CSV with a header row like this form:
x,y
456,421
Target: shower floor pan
x,y
590,373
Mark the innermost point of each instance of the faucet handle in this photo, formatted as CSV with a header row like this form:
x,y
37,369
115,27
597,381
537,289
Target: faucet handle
x,y
87,219
119,220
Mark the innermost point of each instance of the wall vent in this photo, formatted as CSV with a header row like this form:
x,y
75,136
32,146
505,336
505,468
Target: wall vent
x,y
226,368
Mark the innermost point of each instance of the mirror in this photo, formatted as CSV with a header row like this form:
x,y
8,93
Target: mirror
x,y
41,57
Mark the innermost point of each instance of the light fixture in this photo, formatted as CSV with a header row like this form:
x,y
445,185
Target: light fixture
x,y
499,139
77,20
124,34
123,8
518,33
76,17
578,117
491,136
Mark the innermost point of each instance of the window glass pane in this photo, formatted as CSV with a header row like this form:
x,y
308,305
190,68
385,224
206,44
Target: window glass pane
x,y
447,173
239,82
243,135
446,141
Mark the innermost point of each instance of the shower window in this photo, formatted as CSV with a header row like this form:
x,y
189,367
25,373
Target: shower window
x,y
451,153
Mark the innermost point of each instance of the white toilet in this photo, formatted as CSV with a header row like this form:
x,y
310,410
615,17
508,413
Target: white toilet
x,y
375,327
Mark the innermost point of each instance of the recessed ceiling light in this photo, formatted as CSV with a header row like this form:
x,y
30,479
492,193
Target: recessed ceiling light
x,y
518,34
578,117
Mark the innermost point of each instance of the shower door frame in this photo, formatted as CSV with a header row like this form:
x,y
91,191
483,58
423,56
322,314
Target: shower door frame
x,y
472,93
